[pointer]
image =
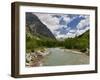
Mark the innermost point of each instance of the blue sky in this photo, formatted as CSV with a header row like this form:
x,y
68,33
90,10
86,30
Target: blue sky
x,y
65,25
75,22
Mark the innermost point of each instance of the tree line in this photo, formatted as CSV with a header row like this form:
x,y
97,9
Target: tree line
x,y
81,42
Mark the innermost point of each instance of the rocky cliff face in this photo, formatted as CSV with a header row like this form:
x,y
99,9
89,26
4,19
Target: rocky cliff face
x,y
35,26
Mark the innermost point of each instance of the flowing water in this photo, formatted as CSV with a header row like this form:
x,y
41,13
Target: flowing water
x,y
60,56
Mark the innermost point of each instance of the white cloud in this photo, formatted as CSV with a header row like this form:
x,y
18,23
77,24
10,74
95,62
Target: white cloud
x,y
70,35
66,18
84,22
72,30
51,22
79,32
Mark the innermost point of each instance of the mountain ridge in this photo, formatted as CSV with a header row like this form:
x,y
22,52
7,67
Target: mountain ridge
x,y
36,27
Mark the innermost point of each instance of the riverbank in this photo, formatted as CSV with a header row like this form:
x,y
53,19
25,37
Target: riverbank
x,y
77,51
35,58
74,51
55,56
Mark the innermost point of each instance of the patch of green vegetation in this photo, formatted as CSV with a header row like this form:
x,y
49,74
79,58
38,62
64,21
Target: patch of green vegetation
x,y
81,42
36,41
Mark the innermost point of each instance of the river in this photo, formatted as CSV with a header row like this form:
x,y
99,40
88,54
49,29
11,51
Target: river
x,y
60,56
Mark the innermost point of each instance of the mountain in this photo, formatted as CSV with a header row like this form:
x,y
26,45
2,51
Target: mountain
x,y
85,35
60,26
36,27
80,43
84,42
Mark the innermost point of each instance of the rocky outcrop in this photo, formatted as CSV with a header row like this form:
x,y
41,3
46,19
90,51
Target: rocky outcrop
x,y
35,58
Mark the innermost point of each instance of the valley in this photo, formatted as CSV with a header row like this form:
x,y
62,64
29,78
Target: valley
x,y
44,49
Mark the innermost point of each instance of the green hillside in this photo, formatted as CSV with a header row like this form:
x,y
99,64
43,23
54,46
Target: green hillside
x,y
35,41
81,42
